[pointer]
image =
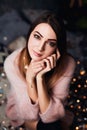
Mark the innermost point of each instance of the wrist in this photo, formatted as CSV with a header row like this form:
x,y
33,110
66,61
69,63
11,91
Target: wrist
x,y
40,77
30,80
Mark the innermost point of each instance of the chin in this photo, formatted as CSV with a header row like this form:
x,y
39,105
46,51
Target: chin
x,y
35,58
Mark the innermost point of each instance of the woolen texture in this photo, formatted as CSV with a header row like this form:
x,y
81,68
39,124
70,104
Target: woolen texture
x,y
19,106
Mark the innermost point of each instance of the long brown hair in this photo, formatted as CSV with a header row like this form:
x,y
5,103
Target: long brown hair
x,y
57,25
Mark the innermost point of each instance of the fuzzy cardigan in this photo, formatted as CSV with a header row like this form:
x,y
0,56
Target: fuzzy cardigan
x,y
19,107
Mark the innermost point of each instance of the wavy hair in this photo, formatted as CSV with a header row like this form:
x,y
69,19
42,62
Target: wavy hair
x,y
57,25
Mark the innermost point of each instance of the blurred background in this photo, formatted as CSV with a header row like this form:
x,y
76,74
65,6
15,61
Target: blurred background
x,y
15,20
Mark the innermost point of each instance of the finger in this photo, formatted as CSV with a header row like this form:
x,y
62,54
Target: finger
x,y
36,67
52,60
47,64
35,64
58,54
38,70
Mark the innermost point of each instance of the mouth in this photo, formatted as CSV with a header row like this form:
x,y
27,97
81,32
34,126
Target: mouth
x,y
37,54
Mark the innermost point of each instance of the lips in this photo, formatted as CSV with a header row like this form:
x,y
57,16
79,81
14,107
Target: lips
x,y
37,54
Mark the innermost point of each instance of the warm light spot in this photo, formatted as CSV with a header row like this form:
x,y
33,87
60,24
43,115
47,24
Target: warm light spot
x,y
77,128
86,81
72,106
79,107
76,90
84,97
1,95
79,85
82,72
78,100
84,110
74,79
78,62
85,86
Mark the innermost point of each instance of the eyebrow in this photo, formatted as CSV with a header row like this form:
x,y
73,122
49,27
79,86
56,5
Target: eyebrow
x,y
42,36
38,33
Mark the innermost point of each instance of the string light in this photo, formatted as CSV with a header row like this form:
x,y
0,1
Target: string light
x,y
79,85
26,67
79,107
72,106
86,81
74,79
78,62
84,110
85,85
5,38
81,127
77,128
82,72
84,97
76,90
1,95
78,101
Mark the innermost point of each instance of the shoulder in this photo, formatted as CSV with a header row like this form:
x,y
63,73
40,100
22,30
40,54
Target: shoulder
x,y
70,65
10,58
9,61
70,59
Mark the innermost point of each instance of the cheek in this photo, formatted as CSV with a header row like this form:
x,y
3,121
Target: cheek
x,y
30,44
52,51
29,47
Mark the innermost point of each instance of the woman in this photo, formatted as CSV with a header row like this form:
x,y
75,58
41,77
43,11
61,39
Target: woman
x,y
40,75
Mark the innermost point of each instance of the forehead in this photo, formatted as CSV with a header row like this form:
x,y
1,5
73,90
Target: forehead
x,y
45,30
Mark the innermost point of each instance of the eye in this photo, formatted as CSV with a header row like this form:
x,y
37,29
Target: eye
x,y
36,36
52,44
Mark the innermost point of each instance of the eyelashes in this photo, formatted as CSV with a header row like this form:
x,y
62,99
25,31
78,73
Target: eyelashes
x,y
52,44
48,42
37,36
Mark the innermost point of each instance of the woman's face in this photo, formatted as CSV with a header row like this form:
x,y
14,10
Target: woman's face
x,y
42,42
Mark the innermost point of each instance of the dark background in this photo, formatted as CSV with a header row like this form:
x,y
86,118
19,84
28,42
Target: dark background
x,y
15,19
75,19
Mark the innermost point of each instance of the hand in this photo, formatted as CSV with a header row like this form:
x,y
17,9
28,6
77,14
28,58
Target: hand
x,y
32,70
57,54
41,67
48,64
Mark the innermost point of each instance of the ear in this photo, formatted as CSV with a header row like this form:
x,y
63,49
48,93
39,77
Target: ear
x,y
58,54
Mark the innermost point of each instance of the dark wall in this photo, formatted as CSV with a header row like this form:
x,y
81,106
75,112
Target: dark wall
x,y
35,4
75,17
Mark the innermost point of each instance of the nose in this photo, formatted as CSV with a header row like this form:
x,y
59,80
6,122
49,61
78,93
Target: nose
x,y
41,46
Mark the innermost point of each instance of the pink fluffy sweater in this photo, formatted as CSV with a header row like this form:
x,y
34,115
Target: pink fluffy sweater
x,y
19,107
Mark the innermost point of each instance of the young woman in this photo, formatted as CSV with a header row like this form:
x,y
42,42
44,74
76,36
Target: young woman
x,y
40,75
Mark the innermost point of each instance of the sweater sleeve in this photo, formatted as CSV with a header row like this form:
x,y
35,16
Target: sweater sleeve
x,y
58,96
19,106
12,111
